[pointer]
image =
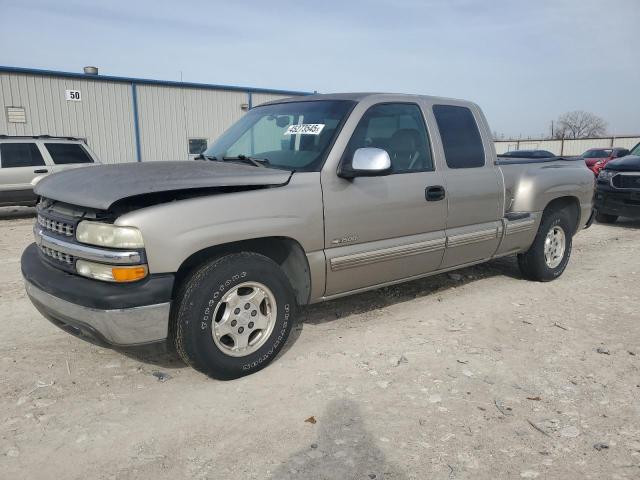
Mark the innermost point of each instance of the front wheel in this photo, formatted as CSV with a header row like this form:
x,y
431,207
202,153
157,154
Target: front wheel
x,y
234,315
549,254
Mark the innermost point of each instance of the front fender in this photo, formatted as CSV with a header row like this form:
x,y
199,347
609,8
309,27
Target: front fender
x,y
174,231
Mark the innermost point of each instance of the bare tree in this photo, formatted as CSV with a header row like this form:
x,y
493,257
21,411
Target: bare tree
x,y
579,124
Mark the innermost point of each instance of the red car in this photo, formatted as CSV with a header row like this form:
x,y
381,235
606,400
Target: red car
x,y
594,156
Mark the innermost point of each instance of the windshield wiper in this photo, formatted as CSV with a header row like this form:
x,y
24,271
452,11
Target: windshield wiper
x,y
202,156
258,162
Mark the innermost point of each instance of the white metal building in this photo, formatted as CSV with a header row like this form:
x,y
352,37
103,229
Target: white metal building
x,y
123,119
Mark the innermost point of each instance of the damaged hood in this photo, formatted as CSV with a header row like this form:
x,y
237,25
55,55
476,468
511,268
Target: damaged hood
x,y
101,186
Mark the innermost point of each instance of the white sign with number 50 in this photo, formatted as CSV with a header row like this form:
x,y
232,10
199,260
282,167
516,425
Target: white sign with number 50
x,y
72,95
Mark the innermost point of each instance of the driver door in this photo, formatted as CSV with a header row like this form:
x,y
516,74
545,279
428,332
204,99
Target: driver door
x,y
383,229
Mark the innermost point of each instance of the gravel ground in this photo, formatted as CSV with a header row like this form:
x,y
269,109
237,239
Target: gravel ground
x,y
476,375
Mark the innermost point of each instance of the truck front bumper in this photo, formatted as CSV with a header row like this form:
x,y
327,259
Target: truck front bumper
x,y
119,315
620,203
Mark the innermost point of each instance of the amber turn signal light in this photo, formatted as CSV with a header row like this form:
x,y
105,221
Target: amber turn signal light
x,y
129,274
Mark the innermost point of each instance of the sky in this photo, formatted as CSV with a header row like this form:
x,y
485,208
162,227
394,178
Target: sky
x,y
525,62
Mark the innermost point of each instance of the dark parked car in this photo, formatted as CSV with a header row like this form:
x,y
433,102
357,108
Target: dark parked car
x,y
528,154
618,188
595,155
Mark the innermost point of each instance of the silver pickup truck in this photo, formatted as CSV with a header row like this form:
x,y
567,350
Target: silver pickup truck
x,y
302,200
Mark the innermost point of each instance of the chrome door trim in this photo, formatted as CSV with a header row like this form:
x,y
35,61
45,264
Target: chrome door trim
x,y
119,257
519,226
462,239
401,280
386,254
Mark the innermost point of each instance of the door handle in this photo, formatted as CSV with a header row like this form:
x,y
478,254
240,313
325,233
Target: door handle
x,y
41,170
434,194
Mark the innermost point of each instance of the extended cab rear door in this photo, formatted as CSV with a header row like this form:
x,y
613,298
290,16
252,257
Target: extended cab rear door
x,y
383,229
475,187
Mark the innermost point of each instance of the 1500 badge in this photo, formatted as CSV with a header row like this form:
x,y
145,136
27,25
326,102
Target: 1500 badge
x,y
345,239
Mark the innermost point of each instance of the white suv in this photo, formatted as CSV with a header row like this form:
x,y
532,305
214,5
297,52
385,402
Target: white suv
x,y
25,160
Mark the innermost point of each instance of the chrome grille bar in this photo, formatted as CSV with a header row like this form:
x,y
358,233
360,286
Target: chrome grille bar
x,y
56,226
59,256
101,255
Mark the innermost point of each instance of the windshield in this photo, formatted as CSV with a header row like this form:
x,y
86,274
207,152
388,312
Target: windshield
x,y
635,150
596,154
291,136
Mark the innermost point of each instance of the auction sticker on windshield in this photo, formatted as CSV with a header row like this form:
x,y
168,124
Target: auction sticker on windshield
x,y
305,129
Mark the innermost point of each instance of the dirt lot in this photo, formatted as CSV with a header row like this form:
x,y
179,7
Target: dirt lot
x,y
480,376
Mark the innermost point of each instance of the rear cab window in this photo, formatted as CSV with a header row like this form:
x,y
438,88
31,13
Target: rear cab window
x,y
460,136
67,153
14,155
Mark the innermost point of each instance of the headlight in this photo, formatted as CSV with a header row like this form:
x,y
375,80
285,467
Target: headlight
x,y
111,273
108,235
606,174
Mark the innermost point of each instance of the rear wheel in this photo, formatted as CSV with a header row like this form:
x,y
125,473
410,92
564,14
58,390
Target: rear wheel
x,y
606,218
549,254
234,315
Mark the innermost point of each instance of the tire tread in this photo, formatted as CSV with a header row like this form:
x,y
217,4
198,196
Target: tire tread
x,y
184,347
531,263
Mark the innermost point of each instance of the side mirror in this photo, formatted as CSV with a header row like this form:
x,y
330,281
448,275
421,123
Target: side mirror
x,y
367,162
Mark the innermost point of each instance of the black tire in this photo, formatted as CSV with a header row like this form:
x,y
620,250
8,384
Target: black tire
x,y
606,218
532,263
198,298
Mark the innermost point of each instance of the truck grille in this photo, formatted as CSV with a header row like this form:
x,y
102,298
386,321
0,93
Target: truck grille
x,y
56,226
59,256
626,181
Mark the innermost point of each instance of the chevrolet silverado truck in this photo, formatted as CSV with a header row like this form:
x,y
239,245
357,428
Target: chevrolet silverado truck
x,y
302,200
618,188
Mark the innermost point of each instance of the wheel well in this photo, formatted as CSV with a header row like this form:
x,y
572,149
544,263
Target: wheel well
x,y
572,204
286,252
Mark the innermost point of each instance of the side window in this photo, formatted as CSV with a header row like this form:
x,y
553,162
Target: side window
x,y
399,129
460,136
65,153
14,155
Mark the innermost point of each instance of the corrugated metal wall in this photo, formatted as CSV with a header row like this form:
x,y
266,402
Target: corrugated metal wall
x,y
168,116
566,147
104,117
